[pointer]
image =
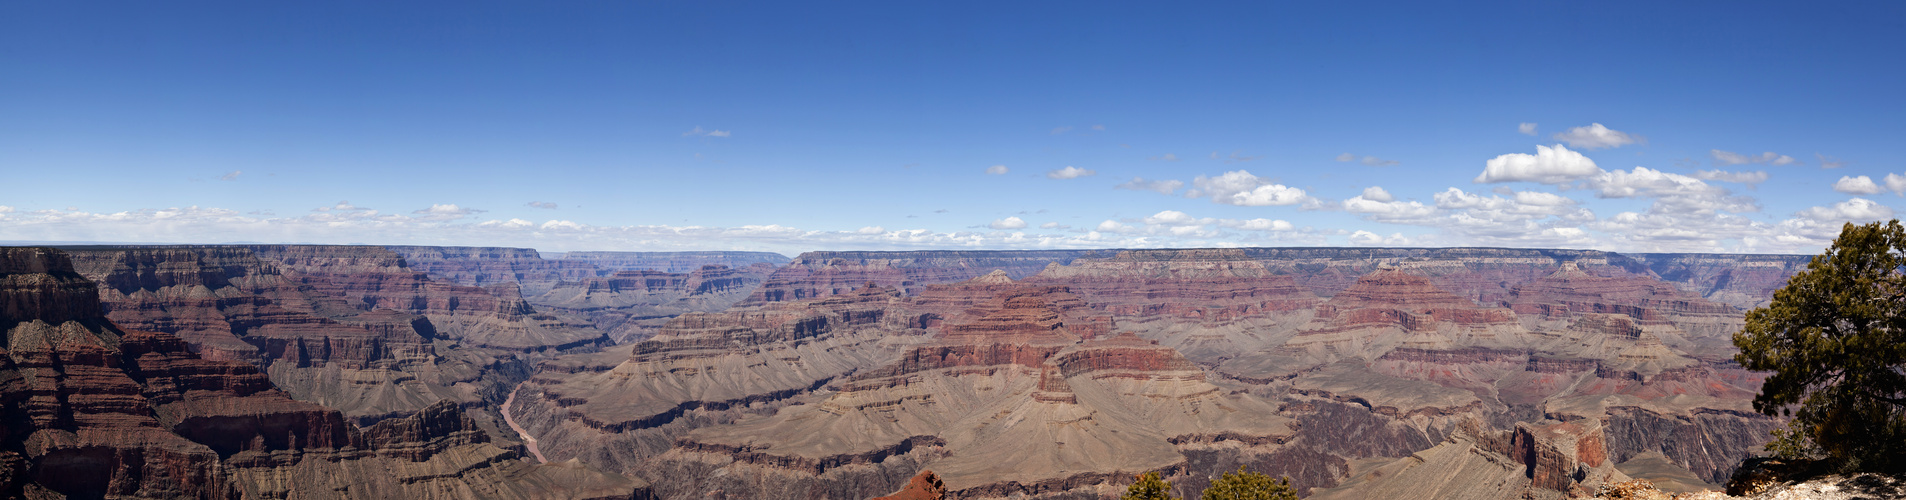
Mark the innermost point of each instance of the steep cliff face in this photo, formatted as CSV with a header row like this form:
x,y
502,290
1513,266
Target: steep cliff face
x,y
485,266
1209,304
673,262
94,411
1006,401
820,274
633,305
1744,281
349,327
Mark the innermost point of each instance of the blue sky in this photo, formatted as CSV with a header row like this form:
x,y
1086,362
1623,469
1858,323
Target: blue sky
x,y
1668,126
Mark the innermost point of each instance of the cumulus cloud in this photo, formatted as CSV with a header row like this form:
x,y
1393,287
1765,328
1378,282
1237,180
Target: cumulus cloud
x,y
543,205
1525,128
1239,187
231,176
997,170
1857,185
1054,225
1164,157
1257,224
1175,218
1643,181
446,211
1008,223
1828,161
343,206
1748,178
1732,158
1164,187
1377,193
872,230
1854,210
698,132
1112,226
1388,211
1896,183
1070,172
1595,136
1549,165
1366,238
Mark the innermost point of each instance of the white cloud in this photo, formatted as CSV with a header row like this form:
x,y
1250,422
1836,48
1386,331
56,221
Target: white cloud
x,y
1748,178
997,170
1896,183
1239,187
231,176
1377,193
1525,128
1857,185
543,205
872,230
1257,224
698,132
1549,165
1008,223
1054,225
1388,211
445,211
1366,238
1770,157
1166,187
1175,218
343,206
1595,136
1853,210
1164,157
1070,172
1828,161
1643,181
1112,226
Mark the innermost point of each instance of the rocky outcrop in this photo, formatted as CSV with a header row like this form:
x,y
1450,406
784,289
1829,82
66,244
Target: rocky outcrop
x,y
94,411
1745,281
925,486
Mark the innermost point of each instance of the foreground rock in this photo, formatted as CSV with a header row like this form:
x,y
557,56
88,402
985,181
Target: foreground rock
x,y
95,411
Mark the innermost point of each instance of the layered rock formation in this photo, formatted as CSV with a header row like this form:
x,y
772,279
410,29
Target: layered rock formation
x,y
632,305
672,262
485,266
353,328
1007,400
820,274
1209,304
94,411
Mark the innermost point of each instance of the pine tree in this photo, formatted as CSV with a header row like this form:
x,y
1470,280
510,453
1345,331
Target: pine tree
x,y
1835,338
1149,487
1249,486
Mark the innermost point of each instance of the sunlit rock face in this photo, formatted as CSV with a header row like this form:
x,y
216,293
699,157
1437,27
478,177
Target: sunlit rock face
x,y
97,411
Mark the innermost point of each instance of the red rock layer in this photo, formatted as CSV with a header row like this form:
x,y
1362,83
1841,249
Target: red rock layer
x,y
92,411
923,486
1571,291
1199,285
1392,297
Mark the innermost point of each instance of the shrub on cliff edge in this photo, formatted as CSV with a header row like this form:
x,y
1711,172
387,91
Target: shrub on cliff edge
x,y
1835,338
1149,487
1249,486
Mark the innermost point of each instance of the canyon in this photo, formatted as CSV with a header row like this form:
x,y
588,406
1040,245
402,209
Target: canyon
x,y
1479,372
